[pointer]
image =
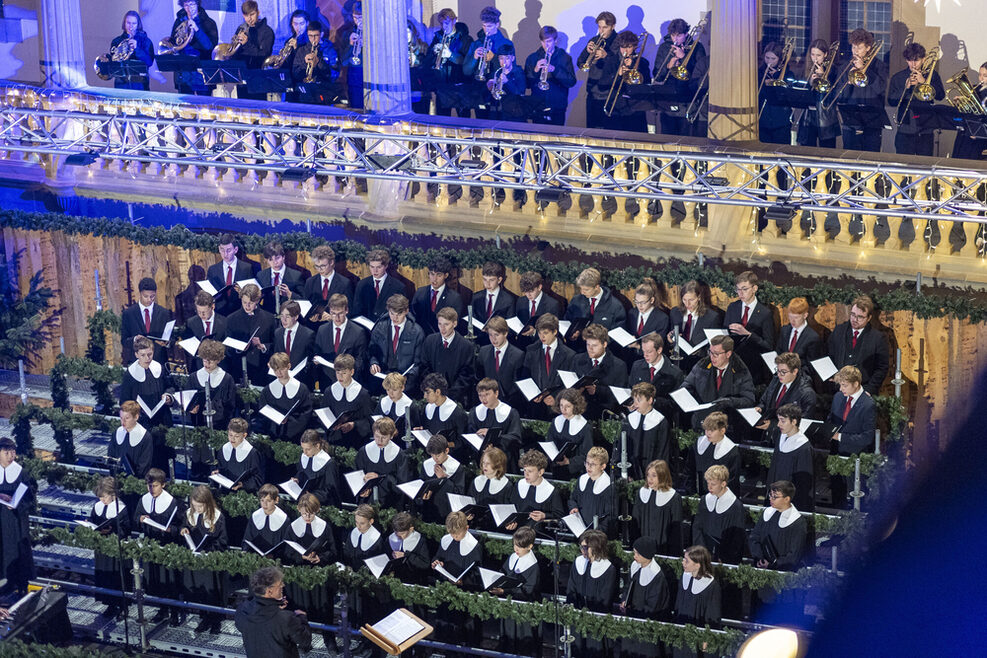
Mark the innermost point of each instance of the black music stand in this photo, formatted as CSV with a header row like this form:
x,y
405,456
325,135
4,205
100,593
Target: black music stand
x,y
974,125
129,71
864,117
789,97
175,63
318,93
929,117
268,81
664,96
230,72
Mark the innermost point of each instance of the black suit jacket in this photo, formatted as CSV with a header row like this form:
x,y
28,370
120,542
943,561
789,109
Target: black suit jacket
x,y
409,352
229,301
657,322
312,289
132,325
667,379
196,328
709,320
547,304
240,326
421,307
611,372
809,345
800,393
368,304
609,313
857,434
504,306
353,341
511,364
534,364
736,389
454,363
292,279
761,324
302,344
870,354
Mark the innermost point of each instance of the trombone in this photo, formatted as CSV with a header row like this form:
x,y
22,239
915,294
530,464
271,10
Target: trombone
x,y
786,57
856,77
924,91
681,71
695,109
631,76
822,84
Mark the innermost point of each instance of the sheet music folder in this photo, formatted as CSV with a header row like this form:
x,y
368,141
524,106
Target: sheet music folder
x,y
385,632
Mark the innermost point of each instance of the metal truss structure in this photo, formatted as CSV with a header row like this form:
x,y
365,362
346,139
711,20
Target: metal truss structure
x,y
297,146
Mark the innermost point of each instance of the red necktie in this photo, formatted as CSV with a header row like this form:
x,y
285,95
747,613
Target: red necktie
x,y
287,342
147,321
377,286
445,343
335,344
855,335
688,327
596,363
781,394
846,408
394,343
652,373
533,309
325,289
719,378
229,276
795,338
489,306
640,326
277,279
497,361
435,299
592,306
208,327
743,320
548,359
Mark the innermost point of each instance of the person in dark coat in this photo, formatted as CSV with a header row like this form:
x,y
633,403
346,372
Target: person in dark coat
x,y
268,630
256,42
543,360
339,336
449,354
444,59
857,343
594,303
205,37
238,460
206,323
297,341
647,317
396,343
692,318
142,50
599,362
797,336
790,385
373,293
281,282
855,412
645,596
494,299
593,59
534,302
501,361
226,273
428,300
324,283
697,597
550,76
204,527
792,458
15,537
132,440
721,379
145,318
148,382
752,326
110,516
657,369
315,69
255,327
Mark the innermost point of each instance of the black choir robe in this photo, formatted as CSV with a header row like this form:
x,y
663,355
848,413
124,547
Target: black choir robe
x,y
265,531
319,476
368,303
132,325
720,525
315,537
397,411
294,396
353,340
697,602
575,430
106,572
647,440
15,537
222,395
516,637
596,499
416,565
148,385
792,461
241,326
424,314
355,401
505,418
543,498
450,420
390,463
357,547
245,461
610,371
455,363
161,581
761,325
723,453
780,538
437,507
137,446
506,374
592,585
658,515
205,585
645,596
455,556
490,491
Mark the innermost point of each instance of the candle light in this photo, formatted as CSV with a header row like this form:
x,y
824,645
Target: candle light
x,y
61,344
99,297
20,372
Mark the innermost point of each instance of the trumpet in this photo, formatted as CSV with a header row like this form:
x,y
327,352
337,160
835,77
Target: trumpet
x,y
225,51
177,41
441,48
855,77
822,84
357,47
118,53
481,68
965,98
631,76
543,80
596,43
498,87
310,67
277,61
923,90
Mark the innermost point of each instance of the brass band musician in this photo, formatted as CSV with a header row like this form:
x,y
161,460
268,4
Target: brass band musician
x,y
444,63
254,44
550,76
673,120
141,49
774,121
819,125
911,139
349,45
866,137
624,115
205,36
316,67
965,146
593,60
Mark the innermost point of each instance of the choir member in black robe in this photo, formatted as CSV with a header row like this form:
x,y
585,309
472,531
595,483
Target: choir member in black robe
x,y
15,538
492,412
254,326
145,318
267,629
534,495
314,535
647,317
347,396
697,597
570,427
458,549
267,527
792,458
238,460
383,458
449,354
318,473
778,540
395,403
491,486
597,361
592,585
340,336
110,515
720,518
646,429
289,397
645,596
712,448
206,323
593,496
363,541
297,341
442,415
162,508
517,637
691,318
408,551
222,390
450,473
205,526
658,509
132,441
147,383
543,360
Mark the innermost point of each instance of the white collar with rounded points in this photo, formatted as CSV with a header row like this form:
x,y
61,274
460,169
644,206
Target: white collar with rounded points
x,y
193,517
390,451
466,546
596,568
661,497
10,473
696,584
242,451
445,409
277,517
162,502
318,527
215,378
542,491
576,424
136,435
278,389
647,574
501,411
651,419
791,443
787,518
320,459
364,540
404,545
599,486
721,449
110,510
350,391
138,373
721,504
451,465
496,484
520,564
400,406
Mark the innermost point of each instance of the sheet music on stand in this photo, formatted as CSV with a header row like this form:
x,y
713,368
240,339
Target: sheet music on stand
x,y
268,81
397,632
129,70
229,72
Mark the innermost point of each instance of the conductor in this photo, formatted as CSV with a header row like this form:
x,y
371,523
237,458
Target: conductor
x,y
268,629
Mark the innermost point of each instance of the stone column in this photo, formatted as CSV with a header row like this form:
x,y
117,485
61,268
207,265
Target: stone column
x,y
733,70
61,24
386,91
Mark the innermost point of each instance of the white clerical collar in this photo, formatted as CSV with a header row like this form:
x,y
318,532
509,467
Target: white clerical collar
x,y
320,459
696,584
242,451
651,420
386,403
520,564
110,510
404,545
496,484
721,504
278,389
466,546
138,373
793,442
365,540
445,409
350,391
318,526
596,568
787,518
501,411
661,497
277,518
599,485
136,435
215,377
645,574
160,504
390,451
193,517
576,424
542,491
451,465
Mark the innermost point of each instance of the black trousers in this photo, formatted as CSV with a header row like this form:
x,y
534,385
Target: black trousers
x,y
914,144
868,139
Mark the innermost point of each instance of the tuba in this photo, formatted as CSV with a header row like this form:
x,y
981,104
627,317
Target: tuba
x,y
177,41
118,53
277,61
225,51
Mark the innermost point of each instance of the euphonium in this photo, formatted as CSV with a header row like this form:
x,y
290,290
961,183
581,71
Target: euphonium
x,y
966,99
543,80
225,51
277,61
177,41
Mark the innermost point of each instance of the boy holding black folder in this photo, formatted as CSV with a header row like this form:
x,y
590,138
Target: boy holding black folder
x,y
492,414
523,583
460,555
159,516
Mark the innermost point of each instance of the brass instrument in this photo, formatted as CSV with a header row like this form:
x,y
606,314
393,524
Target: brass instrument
x,y
786,57
822,84
855,77
225,51
631,76
596,43
965,99
681,72
694,110
277,61
118,53
441,48
177,41
498,88
310,67
543,80
357,47
481,68
924,91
